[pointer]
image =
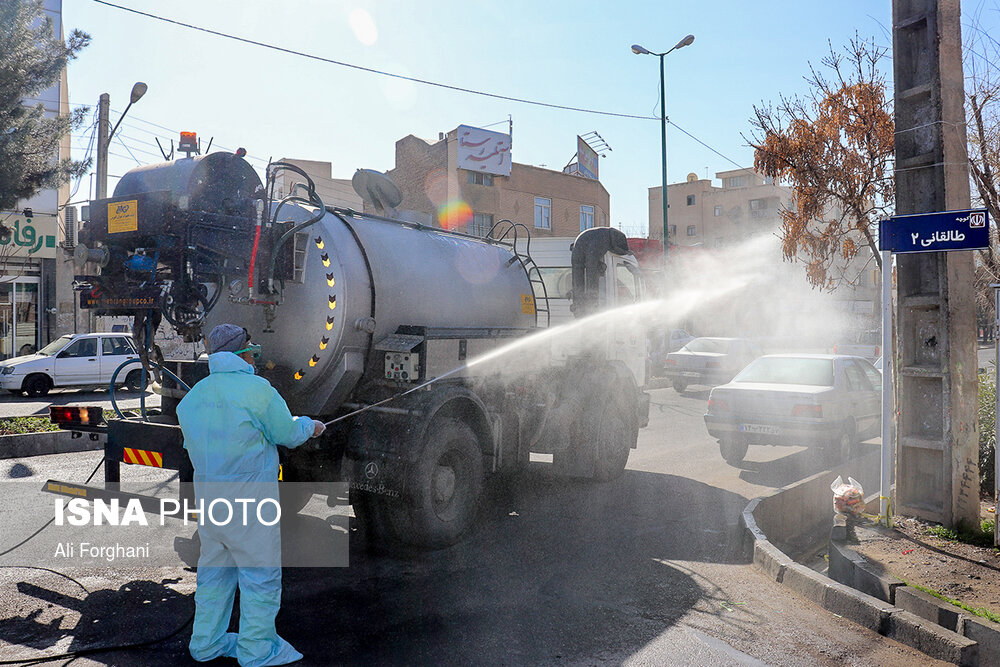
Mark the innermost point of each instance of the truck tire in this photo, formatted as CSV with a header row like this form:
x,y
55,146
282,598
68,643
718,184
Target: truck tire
x,y
615,432
733,450
446,484
36,385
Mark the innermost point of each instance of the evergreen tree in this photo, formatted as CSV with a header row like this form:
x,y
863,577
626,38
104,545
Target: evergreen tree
x,y
32,60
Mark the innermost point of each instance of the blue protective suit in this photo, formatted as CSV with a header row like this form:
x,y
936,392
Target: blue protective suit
x,y
231,421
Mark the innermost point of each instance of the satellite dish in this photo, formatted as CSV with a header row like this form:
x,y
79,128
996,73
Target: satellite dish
x,y
377,189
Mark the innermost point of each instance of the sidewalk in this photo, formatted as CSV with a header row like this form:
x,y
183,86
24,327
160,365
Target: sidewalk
x,y
920,554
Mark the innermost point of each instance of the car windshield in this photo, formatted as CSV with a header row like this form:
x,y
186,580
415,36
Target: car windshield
x,y
717,345
55,346
789,370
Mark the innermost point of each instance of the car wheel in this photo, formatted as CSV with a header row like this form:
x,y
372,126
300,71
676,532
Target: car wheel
x,y
733,450
844,447
36,385
133,382
680,385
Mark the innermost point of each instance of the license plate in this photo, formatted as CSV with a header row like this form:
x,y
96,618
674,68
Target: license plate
x,y
689,374
763,429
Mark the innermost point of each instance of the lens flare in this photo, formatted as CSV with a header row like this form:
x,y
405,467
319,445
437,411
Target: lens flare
x,y
454,214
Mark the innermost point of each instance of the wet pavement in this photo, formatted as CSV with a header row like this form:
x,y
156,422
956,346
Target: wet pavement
x,y
646,569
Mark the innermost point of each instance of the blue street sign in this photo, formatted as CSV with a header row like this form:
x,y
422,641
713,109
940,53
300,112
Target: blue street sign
x,y
935,232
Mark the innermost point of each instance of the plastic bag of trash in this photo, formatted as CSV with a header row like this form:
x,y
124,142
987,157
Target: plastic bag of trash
x,y
849,497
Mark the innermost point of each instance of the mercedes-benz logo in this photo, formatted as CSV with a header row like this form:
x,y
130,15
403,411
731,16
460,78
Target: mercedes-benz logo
x,y
371,470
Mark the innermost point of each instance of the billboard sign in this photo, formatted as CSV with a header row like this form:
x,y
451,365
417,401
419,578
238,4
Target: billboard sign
x,y
483,150
935,232
31,238
586,158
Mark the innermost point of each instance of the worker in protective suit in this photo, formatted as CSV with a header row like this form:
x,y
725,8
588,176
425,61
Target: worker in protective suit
x,y
232,421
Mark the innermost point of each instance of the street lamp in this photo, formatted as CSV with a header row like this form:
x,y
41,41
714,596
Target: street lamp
x,y
643,51
104,137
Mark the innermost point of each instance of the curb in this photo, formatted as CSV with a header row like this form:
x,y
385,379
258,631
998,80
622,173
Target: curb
x,y
906,626
48,442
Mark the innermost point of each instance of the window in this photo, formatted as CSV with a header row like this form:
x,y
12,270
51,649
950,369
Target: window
x,y
856,380
690,200
481,224
543,213
672,230
480,178
625,282
758,204
718,212
692,231
735,182
586,217
115,346
85,347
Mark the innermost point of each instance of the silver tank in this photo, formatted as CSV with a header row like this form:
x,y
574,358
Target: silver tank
x,y
416,275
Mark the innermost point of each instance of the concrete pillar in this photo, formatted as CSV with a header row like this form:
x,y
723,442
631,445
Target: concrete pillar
x,y
937,471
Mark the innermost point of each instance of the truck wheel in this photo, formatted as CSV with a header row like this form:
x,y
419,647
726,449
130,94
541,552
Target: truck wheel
x,y
733,450
447,481
615,435
133,381
680,385
36,385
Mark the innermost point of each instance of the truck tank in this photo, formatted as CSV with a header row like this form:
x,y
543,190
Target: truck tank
x,y
358,278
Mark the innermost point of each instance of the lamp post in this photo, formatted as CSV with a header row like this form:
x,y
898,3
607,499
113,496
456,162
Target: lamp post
x,y
641,50
104,137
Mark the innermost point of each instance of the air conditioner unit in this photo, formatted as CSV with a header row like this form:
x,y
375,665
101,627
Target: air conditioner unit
x,y
71,227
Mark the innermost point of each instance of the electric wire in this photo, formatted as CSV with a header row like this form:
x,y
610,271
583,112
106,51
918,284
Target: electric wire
x,y
371,70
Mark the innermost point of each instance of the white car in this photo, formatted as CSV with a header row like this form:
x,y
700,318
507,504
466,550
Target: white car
x,y
73,360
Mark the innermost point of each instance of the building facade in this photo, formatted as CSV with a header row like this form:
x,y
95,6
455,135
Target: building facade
x,y
747,205
37,302
550,203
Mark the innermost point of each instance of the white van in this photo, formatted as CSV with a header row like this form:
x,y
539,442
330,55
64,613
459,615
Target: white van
x,y
73,360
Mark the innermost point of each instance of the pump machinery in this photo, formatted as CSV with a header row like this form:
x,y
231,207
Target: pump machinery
x,y
423,346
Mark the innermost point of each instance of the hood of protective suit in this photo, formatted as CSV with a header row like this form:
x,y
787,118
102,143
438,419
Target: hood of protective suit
x,y
227,362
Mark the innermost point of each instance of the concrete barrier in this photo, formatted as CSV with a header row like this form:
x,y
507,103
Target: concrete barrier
x,y
797,519
48,442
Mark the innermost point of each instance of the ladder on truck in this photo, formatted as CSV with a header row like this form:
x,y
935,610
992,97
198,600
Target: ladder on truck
x,y
509,233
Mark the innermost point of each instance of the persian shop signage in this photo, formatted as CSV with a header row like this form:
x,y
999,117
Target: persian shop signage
x,y
33,237
483,150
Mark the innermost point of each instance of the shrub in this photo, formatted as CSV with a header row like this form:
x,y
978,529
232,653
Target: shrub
x,y
987,426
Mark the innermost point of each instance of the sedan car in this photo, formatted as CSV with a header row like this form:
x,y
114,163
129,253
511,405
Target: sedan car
x,y
73,360
797,399
709,361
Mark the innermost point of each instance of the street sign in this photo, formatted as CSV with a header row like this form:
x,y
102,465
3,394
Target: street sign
x,y
935,232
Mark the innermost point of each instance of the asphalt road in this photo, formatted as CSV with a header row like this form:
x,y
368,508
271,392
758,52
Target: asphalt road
x,y
20,406
643,570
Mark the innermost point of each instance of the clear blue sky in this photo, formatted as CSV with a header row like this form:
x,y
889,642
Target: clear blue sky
x,y
565,53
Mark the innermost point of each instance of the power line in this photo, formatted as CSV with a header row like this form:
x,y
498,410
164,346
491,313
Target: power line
x,y
371,70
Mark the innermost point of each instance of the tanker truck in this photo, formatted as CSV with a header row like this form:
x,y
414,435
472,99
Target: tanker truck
x,y
428,350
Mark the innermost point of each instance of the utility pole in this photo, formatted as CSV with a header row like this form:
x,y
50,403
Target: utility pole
x,y
937,449
103,124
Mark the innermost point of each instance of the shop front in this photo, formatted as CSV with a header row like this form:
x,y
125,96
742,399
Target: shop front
x,y
25,241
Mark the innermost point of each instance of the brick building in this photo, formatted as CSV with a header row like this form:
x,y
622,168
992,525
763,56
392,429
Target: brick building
x,y
548,202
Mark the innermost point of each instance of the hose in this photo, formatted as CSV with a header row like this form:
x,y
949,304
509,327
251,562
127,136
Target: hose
x,y
114,376
86,651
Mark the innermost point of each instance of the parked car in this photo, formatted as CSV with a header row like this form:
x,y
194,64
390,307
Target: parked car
x,y
662,343
797,399
861,344
73,360
709,361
